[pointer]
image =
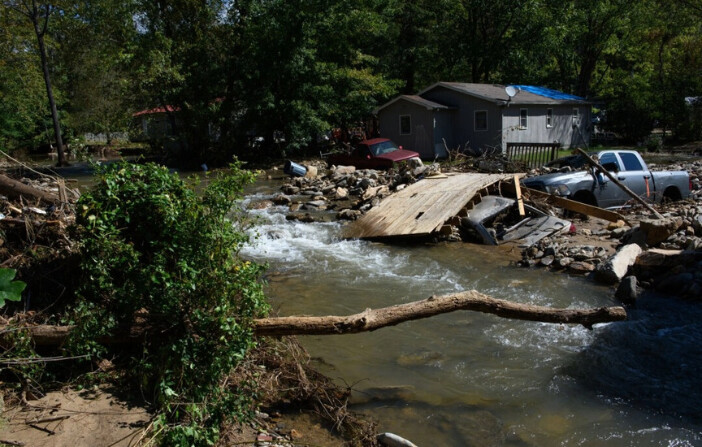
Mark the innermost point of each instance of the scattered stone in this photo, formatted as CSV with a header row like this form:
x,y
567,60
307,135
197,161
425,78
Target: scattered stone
x,y
628,290
341,193
658,230
615,225
580,267
348,214
614,269
311,172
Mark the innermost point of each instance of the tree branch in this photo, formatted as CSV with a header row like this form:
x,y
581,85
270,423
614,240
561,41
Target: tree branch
x,y
371,320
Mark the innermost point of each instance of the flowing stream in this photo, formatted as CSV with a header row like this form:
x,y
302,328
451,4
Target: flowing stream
x,y
472,379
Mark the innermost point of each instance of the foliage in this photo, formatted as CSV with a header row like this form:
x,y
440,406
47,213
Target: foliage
x,y
267,77
159,255
10,290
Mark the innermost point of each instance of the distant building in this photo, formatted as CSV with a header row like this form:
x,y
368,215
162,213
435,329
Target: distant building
x,y
155,123
475,116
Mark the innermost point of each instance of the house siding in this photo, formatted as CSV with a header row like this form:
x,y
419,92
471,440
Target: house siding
x,y
463,119
561,131
421,136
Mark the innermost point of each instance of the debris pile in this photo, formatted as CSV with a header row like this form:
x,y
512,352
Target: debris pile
x,y
34,237
347,190
669,257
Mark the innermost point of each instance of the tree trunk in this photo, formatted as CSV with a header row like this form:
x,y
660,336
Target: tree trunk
x,y
370,320
14,189
47,80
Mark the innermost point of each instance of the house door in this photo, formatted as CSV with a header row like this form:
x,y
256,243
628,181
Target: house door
x,y
442,135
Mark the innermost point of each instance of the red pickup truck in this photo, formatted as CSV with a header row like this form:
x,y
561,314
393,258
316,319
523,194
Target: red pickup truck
x,y
378,153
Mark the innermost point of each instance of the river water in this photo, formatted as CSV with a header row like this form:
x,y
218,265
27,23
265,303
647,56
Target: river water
x,y
472,379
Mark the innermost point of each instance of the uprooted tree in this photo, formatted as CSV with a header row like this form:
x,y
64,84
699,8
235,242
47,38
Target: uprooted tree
x,y
162,288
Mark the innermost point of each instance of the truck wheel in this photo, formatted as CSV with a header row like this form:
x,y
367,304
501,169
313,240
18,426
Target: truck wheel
x,y
671,194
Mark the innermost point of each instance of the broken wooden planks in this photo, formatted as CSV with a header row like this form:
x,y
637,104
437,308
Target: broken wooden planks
x,y
423,207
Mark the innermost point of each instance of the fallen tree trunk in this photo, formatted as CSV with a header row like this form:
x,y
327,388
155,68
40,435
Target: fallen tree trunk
x,y
14,189
370,320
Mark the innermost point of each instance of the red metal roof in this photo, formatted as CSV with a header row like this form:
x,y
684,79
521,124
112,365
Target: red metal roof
x,y
157,110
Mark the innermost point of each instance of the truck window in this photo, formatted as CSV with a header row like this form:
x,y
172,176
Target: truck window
x,y
631,161
609,157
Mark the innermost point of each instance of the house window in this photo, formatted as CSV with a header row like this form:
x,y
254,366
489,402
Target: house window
x,y
549,117
405,124
576,116
523,114
481,120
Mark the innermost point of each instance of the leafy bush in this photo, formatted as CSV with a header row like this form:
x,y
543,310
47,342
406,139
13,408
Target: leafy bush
x,y
158,255
10,290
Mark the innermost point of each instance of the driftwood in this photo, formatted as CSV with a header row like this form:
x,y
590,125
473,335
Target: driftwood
x,y
577,207
14,189
372,319
620,184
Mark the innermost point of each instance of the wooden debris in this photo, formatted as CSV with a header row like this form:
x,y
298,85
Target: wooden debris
x,y
14,190
520,200
572,205
423,207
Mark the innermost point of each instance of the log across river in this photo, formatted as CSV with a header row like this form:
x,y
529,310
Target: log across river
x,y
471,379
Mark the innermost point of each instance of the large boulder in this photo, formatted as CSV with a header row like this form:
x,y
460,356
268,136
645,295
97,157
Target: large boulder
x,y
615,268
628,290
658,230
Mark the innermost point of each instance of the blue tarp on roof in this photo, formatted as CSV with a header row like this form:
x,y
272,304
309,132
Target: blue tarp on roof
x,y
548,93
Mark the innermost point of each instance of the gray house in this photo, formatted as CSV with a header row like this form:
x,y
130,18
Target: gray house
x,y
478,115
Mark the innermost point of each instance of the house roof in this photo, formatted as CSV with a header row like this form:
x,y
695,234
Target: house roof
x,y
526,94
157,110
415,99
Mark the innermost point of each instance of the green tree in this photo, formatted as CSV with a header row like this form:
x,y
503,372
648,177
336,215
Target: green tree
x,y
38,15
22,91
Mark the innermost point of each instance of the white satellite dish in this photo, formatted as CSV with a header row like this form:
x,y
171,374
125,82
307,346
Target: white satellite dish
x,y
511,91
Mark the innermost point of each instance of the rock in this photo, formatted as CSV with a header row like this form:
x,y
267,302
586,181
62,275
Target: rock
x,y
306,218
414,163
628,291
657,257
344,170
374,191
658,230
316,204
563,262
311,172
281,199
348,214
295,207
616,267
262,205
291,190
392,440
341,193
581,267
615,225
618,233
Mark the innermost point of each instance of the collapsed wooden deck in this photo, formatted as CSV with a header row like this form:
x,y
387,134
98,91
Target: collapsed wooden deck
x,y
423,207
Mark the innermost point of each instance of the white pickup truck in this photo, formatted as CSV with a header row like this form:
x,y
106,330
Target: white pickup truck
x,y
592,187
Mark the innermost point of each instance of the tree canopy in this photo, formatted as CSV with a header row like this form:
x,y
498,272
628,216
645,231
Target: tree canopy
x,y
265,77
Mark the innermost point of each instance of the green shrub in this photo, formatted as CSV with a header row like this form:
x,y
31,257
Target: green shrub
x,y
158,254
